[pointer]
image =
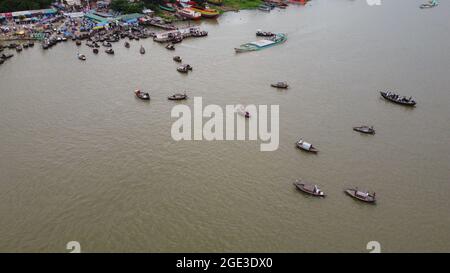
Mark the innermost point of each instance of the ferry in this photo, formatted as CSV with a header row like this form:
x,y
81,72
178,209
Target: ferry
x,y
261,44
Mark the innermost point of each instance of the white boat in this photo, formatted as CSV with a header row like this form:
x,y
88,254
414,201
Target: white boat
x,y
189,14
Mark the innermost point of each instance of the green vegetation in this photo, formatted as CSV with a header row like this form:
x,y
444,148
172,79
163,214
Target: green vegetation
x,y
18,5
242,4
124,6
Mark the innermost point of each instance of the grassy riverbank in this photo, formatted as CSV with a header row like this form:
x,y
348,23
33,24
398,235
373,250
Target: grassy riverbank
x,y
242,4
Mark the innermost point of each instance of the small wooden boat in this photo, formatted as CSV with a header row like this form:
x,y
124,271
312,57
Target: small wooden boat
x,y
95,50
19,48
176,39
31,44
178,96
142,95
430,4
365,129
6,56
184,68
361,195
142,50
127,44
390,96
81,57
282,85
306,146
170,46
25,46
265,8
107,44
78,43
109,51
177,59
309,188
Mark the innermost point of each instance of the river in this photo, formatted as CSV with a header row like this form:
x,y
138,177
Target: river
x,y
83,160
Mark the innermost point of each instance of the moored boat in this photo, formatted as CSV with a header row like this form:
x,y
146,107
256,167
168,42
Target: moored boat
x,y
142,95
178,96
190,14
361,195
303,145
395,98
177,59
308,188
95,50
127,44
262,44
206,12
365,129
167,8
142,50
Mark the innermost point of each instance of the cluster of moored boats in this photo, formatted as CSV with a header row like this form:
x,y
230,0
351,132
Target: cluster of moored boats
x,y
13,46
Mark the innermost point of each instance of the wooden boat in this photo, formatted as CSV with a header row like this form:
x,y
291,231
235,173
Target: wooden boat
x,y
365,129
95,50
127,44
167,8
306,146
390,96
206,12
25,46
31,44
107,44
142,50
177,59
430,4
81,57
361,195
78,42
262,44
184,68
176,39
309,188
170,46
265,8
6,56
282,85
142,95
19,48
261,33
109,51
190,14
177,96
